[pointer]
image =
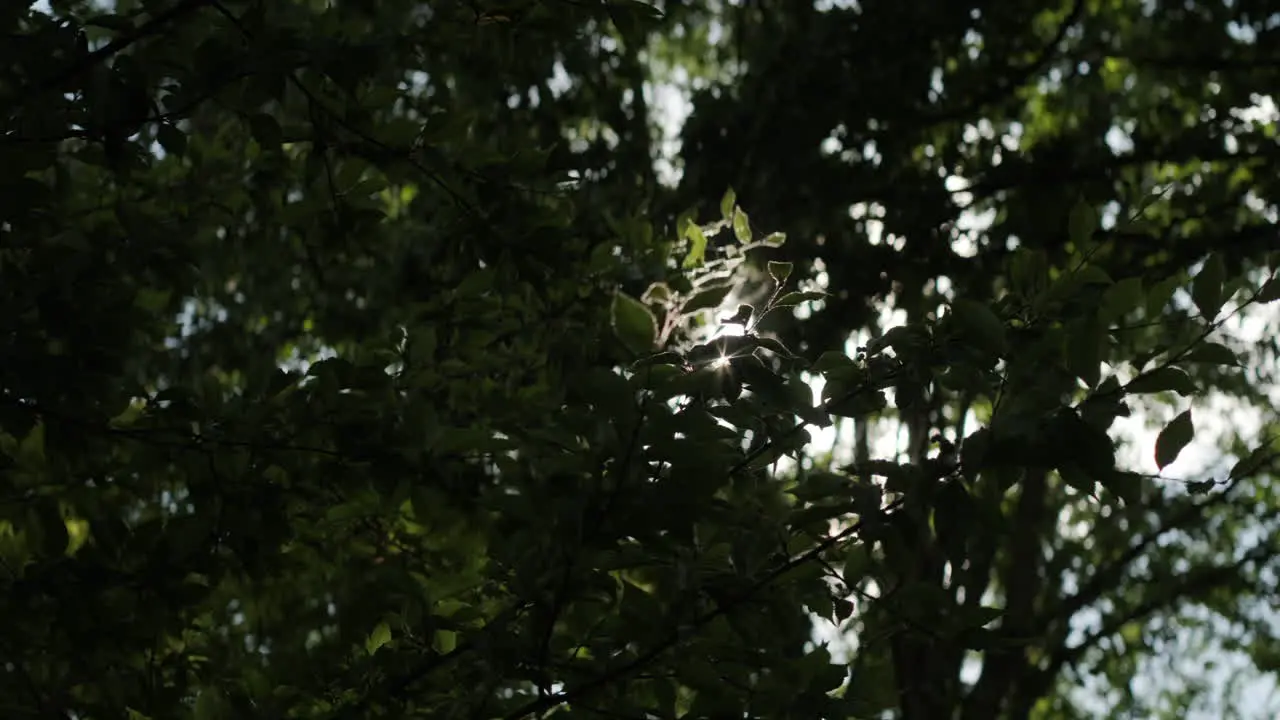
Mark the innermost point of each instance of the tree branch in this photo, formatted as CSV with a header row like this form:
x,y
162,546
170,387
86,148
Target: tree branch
x,y
1107,577
1195,583
1001,668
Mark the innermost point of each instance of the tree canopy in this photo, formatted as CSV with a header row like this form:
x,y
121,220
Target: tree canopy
x,y
390,360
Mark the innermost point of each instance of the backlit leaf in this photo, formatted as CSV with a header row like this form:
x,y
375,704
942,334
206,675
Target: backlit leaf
x,y
633,323
727,204
741,226
697,244
779,271
795,298
380,636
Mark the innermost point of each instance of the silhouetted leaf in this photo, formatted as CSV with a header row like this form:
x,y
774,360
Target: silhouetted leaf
x,y
1175,436
1161,380
1211,353
1206,289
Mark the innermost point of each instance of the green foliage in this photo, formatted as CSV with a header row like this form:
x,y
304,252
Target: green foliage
x,y
351,371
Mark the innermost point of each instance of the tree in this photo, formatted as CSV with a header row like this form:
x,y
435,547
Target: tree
x,y
329,393
927,125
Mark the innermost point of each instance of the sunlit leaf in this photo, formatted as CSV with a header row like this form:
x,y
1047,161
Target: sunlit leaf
x,y
380,636
697,244
727,204
796,298
741,226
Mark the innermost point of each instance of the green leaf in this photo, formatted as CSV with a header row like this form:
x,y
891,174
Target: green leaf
x,y
658,293
151,299
741,317
775,347
741,226
1211,353
1084,347
981,323
443,641
634,325
1173,438
821,485
795,298
209,705
1253,462
1159,295
779,271
380,636
1029,271
832,360
697,244
706,299
1206,289
844,402
1120,299
1123,484
872,686
727,204
857,564
30,453
1070,285
1081,224
400,132
1091,275
1161,380
774,239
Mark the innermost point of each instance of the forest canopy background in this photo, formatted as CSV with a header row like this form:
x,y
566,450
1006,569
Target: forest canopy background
x,y
401,359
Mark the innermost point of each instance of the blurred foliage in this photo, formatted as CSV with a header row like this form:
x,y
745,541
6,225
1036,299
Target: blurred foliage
x,y
359,361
